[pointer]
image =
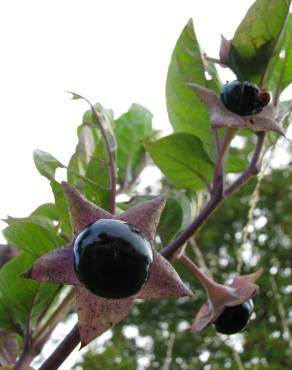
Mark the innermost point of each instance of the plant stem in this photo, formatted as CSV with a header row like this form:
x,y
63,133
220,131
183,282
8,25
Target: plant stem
x,y
175,244
216,198
24,360
253,168
112,166
73,338
64,349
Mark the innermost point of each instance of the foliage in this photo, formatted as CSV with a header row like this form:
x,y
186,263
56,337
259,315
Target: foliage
x,y
191,165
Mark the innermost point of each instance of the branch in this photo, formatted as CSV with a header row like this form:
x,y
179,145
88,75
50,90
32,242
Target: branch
x,y
69,343
216,198
73,338
253,168
169,251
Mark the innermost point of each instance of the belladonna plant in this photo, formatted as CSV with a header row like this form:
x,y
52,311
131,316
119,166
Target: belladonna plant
x,y
97,314
111,258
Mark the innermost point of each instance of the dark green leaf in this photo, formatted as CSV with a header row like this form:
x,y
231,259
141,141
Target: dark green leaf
x,y
171,220
32,238
46,163
182,160
21,298
130,129
186,112
255,40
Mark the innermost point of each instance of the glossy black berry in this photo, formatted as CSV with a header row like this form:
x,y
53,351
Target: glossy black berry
x,y
234,319
244,97
112,258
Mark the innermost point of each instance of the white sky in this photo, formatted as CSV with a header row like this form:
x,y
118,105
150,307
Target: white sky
x,y
114,52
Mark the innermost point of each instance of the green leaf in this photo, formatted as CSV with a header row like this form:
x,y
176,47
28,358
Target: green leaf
x,y
170,221
33,238
88,168
97,184
255,40
46,164
47,210
280,71
130,129
62,206
234,164
22,298
182,160
186,112
44,215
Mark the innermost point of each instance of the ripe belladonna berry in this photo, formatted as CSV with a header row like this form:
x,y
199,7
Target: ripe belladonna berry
x,y
112,258
244,97
234,319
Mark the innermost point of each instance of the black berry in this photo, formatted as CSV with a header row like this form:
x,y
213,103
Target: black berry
x,y
244,97
112,258
234,319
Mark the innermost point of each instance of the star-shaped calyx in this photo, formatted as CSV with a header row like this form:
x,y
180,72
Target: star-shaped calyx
x,y
97,314
267,120
222,299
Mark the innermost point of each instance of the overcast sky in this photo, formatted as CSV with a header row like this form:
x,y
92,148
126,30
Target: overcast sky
x,y
114,52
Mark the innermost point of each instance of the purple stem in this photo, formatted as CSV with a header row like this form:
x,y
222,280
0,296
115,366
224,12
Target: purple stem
x,y
253,168
64,349
71,341
216,198
112,166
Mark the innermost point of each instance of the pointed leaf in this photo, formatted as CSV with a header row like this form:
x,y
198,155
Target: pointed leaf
x,y
46,164
55,267
83,212
145,216
96,315
186,112
164,282
88,136
130,129
47,210
33,238
182,160
256,39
